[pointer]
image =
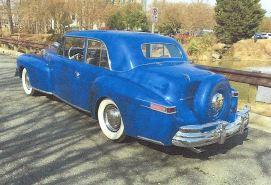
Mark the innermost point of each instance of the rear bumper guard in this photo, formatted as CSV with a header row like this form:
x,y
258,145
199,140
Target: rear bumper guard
x,y
194,135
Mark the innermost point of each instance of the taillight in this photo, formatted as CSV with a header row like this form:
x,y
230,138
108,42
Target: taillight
x,y
164,109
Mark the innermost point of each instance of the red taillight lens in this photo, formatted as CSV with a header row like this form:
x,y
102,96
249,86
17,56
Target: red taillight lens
x,y
164,109
171,110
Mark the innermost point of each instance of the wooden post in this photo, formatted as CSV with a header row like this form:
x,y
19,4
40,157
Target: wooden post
x,y
252,94
153,27
15,48
27,50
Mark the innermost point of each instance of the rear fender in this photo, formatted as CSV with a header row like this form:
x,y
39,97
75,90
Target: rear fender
x,y
133,101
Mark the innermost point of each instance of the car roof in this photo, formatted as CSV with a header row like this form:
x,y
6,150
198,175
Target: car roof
x,y
103,34
124,47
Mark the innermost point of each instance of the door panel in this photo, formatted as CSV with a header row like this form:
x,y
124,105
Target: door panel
x,y
83,84
62,76
95,66
73,76
65,68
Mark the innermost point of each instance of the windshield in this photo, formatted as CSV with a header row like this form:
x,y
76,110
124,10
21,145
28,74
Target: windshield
x,y
161,50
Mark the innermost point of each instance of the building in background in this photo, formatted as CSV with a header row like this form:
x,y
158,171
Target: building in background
x,y
142,2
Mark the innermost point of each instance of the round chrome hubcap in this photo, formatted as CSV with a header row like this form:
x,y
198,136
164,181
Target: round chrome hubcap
x,y
27,81
217,102
112,118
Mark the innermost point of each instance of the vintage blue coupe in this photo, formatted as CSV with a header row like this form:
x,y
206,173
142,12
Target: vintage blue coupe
x,y
139,85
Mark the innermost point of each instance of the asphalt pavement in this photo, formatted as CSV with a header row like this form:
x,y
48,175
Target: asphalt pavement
x,y
45,141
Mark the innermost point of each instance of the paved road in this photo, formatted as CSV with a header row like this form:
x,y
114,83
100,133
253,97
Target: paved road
x,y
261,69
44,141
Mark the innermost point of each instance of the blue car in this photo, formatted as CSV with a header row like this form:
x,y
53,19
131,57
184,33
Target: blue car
x,y
139,85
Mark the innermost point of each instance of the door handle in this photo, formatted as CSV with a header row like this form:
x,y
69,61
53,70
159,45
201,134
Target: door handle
x,y
77,74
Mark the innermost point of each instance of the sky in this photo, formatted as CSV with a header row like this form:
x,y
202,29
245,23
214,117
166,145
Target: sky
x,y
266,4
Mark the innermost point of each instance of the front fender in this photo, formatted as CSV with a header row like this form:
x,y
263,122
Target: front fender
x,y
38,71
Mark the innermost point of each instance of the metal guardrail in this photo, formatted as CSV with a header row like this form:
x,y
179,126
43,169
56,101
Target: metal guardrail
x,y
252,78
23,43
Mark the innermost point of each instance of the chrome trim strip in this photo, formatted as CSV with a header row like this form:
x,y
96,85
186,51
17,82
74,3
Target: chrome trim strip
x,y
150,140
46,92
187,98
72,104
49,93
159,110
157,104
200,127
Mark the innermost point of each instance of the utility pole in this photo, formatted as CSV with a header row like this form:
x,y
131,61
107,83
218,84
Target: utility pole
x,y
144,5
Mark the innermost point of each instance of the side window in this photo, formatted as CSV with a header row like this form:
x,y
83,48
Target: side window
x,y
74,48
97,54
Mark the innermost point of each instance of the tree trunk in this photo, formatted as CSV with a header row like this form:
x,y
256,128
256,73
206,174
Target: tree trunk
x,y
9,14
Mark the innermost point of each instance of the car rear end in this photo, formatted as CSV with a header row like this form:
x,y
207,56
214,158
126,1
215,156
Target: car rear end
x,y
214,105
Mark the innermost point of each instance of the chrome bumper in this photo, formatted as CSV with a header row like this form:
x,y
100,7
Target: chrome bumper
x,y
195,135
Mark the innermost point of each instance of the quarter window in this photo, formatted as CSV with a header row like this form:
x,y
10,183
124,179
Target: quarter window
x,y
74,48
97,54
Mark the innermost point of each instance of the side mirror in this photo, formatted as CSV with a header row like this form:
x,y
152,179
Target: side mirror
x,y
56,45
43,52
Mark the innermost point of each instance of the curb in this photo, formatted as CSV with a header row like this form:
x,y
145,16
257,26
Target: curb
x,y
260,122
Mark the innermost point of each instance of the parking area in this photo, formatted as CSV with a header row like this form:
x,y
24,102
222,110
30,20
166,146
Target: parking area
x,y
45,141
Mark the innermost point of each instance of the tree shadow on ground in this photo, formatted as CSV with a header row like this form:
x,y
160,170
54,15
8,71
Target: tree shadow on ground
x,y
48,142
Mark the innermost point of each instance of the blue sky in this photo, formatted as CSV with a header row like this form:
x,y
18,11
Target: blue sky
x,y
266,4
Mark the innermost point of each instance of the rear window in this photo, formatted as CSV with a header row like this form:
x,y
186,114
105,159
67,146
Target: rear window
x,y
161,50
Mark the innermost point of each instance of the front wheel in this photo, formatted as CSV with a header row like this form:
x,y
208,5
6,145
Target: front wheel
x,y
28,89
110,121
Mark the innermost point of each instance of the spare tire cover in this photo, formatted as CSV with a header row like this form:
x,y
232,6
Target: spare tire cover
x,y
212,99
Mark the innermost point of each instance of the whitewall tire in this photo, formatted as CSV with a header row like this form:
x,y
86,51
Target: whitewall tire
x,y
28,89
110,120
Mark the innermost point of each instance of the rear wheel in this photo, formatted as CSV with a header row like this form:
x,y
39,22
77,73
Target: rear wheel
x,y
110,121
28,89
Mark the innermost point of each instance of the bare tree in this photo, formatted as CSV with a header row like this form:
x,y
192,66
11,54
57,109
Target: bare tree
x,y
189,16
265,25
7,6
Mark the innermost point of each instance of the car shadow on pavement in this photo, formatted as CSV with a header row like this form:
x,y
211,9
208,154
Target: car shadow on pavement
x,y
206,153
